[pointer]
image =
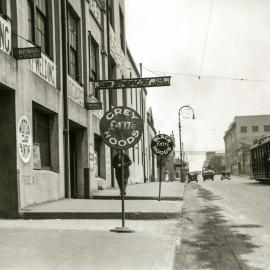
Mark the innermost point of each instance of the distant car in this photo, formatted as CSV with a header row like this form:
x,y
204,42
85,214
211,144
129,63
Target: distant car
x,y
192,176
225,175
208,174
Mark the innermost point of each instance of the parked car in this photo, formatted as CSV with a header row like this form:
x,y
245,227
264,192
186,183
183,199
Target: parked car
x,y
192,176
208,174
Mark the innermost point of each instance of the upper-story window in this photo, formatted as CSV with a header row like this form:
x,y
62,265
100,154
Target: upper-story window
x,y
38,24
243,129
255,129
94,63
1,7
111,12
266,128
73,46
122,30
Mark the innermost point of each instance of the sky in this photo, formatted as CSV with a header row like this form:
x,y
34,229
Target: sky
x,y
221,41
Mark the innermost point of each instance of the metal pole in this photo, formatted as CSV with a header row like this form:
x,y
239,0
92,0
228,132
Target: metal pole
x,y
123,189
181,157
160,167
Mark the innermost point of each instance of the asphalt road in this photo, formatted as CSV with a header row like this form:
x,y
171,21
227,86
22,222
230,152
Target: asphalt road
x,y
225,225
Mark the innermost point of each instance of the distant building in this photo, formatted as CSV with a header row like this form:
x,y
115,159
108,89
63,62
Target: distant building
x,y
214,161
169,167
238,138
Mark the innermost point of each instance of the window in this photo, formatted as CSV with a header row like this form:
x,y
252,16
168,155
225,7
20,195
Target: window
x,y
255,129
94,63
41,135
38,24
111,12
98,141
1,7
122,30
267,128
243,129
73,46
31,25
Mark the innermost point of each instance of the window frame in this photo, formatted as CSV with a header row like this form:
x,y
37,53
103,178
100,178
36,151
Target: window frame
x,y
243,129
255,129
266,128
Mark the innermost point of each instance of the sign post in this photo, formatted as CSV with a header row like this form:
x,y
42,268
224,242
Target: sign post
x,y
161,145
121,128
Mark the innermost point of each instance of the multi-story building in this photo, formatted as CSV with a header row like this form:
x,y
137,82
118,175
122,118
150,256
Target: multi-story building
x,y
238,138
50,144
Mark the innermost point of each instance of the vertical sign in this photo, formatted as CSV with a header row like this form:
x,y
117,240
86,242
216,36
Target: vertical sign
x,y
5,36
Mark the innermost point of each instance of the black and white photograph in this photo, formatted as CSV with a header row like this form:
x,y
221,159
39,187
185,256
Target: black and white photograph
x,y
134,135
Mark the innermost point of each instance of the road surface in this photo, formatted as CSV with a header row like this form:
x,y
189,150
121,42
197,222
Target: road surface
x,y
225,225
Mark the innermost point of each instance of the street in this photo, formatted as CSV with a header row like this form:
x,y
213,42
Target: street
x,y
225,225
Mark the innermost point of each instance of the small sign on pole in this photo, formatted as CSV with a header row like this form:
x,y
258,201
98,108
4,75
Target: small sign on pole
x,y
27,53
161,145
91,106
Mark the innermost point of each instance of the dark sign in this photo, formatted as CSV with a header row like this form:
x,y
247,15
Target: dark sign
x,y
27,53
162,145
93,106
133,83
121,127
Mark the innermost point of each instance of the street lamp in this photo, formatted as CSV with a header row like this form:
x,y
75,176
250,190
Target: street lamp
x,y
187,112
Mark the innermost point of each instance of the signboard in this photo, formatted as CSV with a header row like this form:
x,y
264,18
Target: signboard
x,y
162,145
27,53
132,83
45,68
5,36
93,106
91,156
24,139
75,92
95,11
121,127
36,156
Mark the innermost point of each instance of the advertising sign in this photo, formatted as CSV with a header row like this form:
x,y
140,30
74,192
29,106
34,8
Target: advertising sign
x,y
24,139
27,53
133,83
91,106
121,127
5,36
162,145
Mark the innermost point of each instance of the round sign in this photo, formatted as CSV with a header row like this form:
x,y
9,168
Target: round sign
x,y
24,139
91,156
162,145
121,127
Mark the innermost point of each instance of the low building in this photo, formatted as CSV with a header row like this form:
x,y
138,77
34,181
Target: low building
x,y
238,138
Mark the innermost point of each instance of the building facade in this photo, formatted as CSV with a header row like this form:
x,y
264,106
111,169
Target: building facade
x,y
238,138
51,147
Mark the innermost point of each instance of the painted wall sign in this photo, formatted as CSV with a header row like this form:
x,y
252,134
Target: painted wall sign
x,y
91,156
27,53
24,139
75,92
162,145
133,83
5,36
44,68
121,127
117,53
95,10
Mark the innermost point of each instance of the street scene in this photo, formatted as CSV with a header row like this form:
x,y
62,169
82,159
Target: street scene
x,y
134,134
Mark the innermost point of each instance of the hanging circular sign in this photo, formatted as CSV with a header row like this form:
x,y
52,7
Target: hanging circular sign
x,y
24,139
162,145
121,127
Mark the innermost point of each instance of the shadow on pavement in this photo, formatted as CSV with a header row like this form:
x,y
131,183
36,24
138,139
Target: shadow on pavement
x,y
257,183
209,241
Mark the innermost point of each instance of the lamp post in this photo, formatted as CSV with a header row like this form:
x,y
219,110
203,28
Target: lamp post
x,y
186,110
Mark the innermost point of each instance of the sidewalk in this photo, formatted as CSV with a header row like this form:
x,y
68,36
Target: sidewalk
x,y
141,203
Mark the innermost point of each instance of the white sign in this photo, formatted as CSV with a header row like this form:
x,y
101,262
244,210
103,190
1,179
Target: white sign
x,y
117,53
75,92
24,139
5,36
95,10
91,157
44,68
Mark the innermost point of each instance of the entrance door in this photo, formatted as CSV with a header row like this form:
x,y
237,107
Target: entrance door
x,y
73,165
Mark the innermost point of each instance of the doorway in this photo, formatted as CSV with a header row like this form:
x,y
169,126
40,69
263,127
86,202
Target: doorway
x,y
73,164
